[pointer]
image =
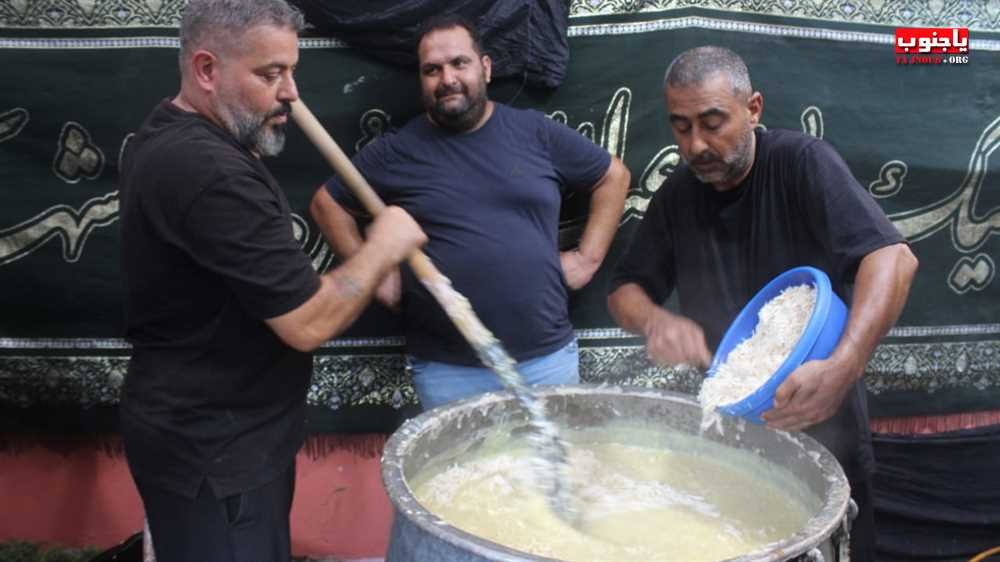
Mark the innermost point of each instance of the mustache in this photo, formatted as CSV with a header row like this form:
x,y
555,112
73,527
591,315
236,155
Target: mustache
x,y
445,90
284,109
706,157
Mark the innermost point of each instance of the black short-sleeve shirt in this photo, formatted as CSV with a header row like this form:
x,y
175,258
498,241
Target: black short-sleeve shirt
x,y
800,205
208,253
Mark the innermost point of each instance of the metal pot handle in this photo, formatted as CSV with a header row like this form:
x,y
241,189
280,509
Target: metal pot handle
x,y
841,539
813,555
842,536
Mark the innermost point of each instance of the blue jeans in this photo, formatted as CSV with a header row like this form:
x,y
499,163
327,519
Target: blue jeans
x,y
439,383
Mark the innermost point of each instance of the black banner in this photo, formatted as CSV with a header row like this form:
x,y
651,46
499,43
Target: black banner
x,y
919,136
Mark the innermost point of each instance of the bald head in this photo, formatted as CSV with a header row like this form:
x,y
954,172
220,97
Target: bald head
x,y
695,66
219,25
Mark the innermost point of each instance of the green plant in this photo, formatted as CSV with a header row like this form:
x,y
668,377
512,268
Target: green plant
x,y
25,551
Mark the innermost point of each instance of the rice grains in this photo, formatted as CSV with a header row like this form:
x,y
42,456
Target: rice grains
x,y
751,363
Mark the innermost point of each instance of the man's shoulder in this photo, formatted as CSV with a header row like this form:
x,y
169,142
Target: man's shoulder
x,y
521,117
414,125
185,156
189,139
795,145
517,112
787,139
392,139
533,127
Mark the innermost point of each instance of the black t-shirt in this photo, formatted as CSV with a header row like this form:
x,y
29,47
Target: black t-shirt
x,y
489,203
208,253
799,205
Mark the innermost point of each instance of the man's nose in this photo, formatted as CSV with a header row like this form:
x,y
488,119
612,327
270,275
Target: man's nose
x,y
288,91
449,77
698,145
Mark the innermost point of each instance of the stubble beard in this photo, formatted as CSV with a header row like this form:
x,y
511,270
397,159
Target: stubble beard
x,y
734,166
462,117
252,130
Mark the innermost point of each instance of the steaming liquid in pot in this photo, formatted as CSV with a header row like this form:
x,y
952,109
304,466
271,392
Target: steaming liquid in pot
x,y
638,502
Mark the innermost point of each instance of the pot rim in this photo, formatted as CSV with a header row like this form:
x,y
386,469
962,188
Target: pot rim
x,y
818,528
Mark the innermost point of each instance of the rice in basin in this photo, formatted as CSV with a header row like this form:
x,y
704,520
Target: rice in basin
x,y
750,364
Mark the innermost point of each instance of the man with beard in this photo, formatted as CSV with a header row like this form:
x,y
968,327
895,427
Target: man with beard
x,y
747,205
483,179
222,305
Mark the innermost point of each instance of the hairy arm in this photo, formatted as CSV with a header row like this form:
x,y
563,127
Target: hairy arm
x,y
341,232
337,225
346,291
671,339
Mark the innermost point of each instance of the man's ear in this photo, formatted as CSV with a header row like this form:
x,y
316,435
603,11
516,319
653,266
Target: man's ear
x,y
487,68
755,106
204,69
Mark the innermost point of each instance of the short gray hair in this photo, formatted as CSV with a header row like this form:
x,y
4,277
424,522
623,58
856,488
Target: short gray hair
x,y
219,24
694,66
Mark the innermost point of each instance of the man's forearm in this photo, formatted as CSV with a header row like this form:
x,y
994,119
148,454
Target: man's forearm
x,y
631,308
345,292
337,225
880,290
353,283
606,206
671,339
342,296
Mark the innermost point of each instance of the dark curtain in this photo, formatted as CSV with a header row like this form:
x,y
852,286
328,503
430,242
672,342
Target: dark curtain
x,y
937,497
525,38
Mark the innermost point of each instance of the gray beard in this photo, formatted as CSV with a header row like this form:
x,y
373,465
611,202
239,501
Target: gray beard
x,y
734,168
251,131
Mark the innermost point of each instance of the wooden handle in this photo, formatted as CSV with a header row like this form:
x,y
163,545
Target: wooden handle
x,y
422,266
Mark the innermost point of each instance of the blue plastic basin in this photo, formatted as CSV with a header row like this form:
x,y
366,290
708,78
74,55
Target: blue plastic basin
x,y
818,340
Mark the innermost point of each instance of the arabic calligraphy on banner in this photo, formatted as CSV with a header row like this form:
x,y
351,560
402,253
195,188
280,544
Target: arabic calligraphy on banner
x,y
921,139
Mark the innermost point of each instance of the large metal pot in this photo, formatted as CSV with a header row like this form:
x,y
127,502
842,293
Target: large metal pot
x,y
444,434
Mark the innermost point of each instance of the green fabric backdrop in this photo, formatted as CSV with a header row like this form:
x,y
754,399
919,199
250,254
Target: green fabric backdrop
x,y
81,76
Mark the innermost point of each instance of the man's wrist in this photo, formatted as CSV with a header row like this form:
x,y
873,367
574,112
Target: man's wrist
x,y
347,287
848,364
588,258
652,320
